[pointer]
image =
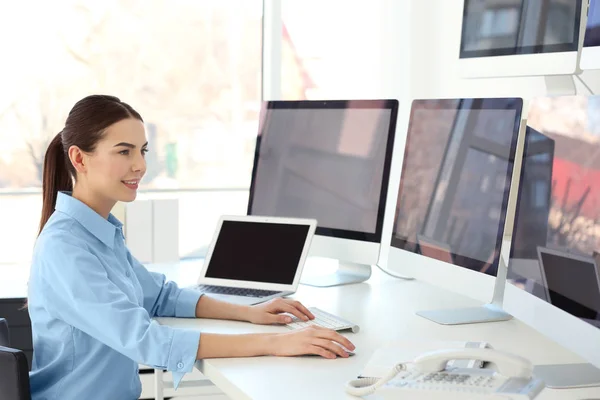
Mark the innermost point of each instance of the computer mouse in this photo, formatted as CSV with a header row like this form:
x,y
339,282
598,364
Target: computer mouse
x,y
350,353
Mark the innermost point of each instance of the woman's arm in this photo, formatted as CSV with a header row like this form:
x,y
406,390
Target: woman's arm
x,y
208,307
162,298
165,299
313,340
76,289
270,312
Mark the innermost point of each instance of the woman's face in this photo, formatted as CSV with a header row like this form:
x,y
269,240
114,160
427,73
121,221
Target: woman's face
x,y
117,165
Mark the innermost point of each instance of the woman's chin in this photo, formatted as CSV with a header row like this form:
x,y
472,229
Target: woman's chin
x,y
131,197
128,197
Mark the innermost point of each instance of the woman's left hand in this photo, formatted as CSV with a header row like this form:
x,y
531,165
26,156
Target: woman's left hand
x,y
271,312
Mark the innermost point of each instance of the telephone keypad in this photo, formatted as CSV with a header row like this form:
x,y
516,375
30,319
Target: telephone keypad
x,y
446,381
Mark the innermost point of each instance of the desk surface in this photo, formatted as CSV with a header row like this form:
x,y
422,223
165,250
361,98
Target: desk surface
x,y
384,308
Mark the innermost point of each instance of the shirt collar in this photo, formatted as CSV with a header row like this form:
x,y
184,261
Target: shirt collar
x,y
103,229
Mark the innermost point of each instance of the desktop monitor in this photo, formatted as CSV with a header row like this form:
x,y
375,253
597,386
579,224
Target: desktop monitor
x,y
532,211
328,160
590,53
555,281
502,38
453,195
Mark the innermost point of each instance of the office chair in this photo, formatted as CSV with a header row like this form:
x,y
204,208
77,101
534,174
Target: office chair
x,y
4,338
14,379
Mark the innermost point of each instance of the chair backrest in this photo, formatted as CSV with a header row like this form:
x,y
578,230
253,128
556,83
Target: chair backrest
x,y
14,379
4,338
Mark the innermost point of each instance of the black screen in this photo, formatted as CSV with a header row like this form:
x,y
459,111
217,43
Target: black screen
x,y
327,160
455,181
592,29
572,285
510,27
257,252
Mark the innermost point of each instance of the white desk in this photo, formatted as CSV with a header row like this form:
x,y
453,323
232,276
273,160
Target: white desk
x,y
385,310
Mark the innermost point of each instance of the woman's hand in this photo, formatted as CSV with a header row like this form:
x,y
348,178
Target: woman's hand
x,y
271,312
312,340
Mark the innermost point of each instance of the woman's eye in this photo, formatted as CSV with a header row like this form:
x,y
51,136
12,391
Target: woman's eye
x,y
124,152
144,151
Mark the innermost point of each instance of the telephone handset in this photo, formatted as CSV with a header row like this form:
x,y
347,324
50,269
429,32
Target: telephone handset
x,y
427,374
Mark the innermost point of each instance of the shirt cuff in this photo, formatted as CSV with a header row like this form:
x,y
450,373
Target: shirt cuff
x,y
186,303
184,350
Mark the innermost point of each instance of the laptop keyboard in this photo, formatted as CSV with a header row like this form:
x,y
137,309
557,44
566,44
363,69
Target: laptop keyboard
x,y
236,291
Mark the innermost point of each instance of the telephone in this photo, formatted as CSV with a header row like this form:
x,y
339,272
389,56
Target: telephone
x,y
427,377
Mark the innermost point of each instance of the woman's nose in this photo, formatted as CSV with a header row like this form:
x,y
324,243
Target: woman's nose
x,y
139,164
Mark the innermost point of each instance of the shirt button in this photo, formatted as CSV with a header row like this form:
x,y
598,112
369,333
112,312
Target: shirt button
x,y
180,365
128,274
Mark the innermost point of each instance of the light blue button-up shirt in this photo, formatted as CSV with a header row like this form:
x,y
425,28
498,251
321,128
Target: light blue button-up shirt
x,y
91,305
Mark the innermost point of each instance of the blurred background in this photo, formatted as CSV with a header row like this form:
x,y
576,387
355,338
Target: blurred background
x,y
193,71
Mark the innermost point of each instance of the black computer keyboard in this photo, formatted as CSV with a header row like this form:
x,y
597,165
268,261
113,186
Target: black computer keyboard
x,y
236,291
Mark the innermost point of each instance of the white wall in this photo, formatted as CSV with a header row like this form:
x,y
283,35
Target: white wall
x,y
343,43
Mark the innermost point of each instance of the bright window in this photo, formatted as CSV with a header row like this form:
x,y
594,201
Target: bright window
x,y
191,68
332,49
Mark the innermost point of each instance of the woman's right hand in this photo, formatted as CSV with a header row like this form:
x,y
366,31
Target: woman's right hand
x,y
312,340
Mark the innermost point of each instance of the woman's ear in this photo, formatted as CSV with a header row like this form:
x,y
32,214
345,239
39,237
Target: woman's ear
x,y
78,159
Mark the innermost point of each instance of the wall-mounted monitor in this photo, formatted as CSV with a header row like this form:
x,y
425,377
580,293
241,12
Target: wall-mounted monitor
x,y
502,38
590,54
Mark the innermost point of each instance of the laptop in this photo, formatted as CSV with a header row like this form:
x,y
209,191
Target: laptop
x,y
253,259
571,282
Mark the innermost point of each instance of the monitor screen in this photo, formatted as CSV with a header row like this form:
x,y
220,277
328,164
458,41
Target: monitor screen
x,y
455,180
327,160
511,27
592,28
572,283
257,252
433,249
558,206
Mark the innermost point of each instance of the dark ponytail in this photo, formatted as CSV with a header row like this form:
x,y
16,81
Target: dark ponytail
x,y
56,177
84,127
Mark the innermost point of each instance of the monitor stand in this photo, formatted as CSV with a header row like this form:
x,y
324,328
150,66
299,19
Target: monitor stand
x,y
557,85
472,315
345,274
568,376
490,312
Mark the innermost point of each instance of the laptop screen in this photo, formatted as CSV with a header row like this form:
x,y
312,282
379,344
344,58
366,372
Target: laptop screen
x,y
257,252
572,284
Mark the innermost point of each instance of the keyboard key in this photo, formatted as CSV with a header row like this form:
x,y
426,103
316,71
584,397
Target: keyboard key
x,y
236,291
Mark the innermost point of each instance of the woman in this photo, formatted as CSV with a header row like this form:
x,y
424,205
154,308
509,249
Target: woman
x,y
91,302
